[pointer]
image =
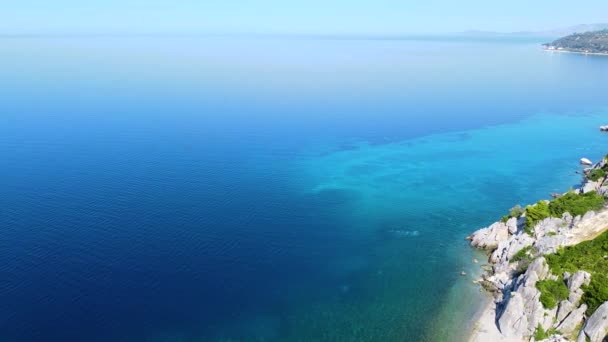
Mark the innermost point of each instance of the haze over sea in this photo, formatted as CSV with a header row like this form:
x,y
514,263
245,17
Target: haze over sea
x,y
272,189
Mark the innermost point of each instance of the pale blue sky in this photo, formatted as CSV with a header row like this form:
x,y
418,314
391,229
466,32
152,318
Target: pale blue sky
x,y
295,16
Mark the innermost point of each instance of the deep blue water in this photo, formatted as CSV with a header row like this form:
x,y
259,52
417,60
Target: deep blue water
x,y
222,189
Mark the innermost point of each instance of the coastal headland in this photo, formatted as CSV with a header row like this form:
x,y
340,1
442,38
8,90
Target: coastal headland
x,y
591,43
546,269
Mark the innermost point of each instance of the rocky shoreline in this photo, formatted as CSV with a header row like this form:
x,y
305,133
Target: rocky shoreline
x,y
517,267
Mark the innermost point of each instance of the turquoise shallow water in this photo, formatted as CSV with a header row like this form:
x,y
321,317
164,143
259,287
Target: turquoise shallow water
x,y
213,189
425,195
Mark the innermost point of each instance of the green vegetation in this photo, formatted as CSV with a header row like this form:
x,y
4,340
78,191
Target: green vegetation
x,y
552,292
540,333
596,174
516,211
523,258
523,254
596,293
534,214
575,204
590,256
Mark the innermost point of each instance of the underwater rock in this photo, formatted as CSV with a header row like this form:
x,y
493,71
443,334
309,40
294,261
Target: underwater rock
x,y
403,233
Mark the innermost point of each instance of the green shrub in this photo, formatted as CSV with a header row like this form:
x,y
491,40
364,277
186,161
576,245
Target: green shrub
x,y
576,204
516,211
552,292
540,333
534,214
588,256
522,254
596,293
596,174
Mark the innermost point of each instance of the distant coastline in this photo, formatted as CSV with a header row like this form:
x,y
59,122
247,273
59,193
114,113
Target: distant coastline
x,y
563,50
590,43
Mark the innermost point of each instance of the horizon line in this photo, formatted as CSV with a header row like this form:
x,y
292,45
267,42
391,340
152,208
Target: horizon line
x,y
341,36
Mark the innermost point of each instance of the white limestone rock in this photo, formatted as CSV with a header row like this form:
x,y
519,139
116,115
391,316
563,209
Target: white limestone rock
x,y
549,226
508,248
574,319
511,322
603,190
565,308
490,237
548,318
578,279
596,326
550,244
555,338
575,296
590,186
512,225
524,311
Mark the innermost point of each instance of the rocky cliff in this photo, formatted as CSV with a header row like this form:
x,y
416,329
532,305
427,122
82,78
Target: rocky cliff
x,y
532,302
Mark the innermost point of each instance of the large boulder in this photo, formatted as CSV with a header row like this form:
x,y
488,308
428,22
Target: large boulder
x,y
550,244
490,237
511,322
575,296
549,226
596,327
590,186
574,319
523,311
513,225
538,267
565,308
508,248
578,279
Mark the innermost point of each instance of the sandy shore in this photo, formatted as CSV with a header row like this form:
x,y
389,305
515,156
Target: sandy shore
x,y
485,329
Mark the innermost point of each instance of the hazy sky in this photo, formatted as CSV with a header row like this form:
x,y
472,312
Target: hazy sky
x,y
296,16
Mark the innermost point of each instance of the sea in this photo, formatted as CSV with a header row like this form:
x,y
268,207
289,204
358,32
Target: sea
x,y
273,188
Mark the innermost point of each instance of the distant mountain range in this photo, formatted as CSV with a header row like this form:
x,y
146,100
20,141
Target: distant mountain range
x,y
560,32
574,29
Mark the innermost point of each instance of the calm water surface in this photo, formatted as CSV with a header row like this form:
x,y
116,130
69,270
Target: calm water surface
x,y
223,189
